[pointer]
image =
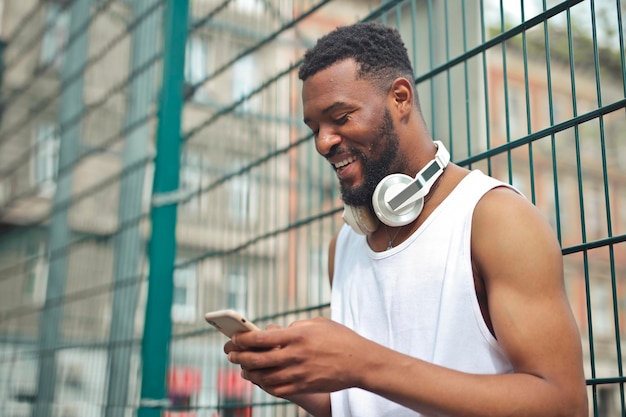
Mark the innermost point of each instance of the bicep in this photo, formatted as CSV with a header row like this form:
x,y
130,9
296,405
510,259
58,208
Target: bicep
x,y
519,259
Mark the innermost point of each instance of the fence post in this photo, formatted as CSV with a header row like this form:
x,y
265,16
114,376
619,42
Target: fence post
x,y
129,243
71,104
162,246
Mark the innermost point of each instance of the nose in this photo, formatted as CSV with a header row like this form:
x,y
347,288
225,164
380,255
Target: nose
x,y
326,139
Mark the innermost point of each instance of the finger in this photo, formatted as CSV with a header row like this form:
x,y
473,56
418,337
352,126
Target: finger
x,y
231,347
307,322
254,359
260,340
276,381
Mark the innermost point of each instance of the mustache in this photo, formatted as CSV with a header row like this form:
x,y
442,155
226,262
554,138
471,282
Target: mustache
x,y
336,150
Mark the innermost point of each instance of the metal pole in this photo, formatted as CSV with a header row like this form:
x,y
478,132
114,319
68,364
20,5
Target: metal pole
x,y
162,247
128,242
70,105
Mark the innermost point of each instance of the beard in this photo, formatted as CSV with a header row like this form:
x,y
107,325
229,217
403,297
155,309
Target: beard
x,y
375,170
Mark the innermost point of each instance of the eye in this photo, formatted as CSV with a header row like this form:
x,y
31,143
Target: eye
x,y
342,120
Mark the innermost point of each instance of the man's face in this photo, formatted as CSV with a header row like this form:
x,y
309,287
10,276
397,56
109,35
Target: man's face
x,y
354,129
376,166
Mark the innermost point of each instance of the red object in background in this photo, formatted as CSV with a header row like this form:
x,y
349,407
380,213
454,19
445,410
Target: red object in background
x,y
233,390
230,384
184,381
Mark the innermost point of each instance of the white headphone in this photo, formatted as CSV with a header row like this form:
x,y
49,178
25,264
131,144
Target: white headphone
x,y
398,199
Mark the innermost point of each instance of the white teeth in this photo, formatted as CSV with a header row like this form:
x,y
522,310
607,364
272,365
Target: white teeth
x,y
344,162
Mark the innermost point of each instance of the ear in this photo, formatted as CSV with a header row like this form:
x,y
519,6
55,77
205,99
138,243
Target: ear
x,y
402,96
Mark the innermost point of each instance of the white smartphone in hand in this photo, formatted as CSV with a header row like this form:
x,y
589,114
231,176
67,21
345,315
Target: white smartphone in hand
x,y
229,322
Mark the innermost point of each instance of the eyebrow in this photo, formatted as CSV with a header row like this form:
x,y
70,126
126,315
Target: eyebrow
x,y
327,110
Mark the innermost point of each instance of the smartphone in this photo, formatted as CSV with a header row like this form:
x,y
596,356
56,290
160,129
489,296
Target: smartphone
x,y
229,322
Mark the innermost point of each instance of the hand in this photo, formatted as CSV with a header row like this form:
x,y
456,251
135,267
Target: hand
x,y
310,356
232,347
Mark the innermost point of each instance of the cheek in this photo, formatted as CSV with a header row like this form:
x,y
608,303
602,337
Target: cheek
x,y
367,133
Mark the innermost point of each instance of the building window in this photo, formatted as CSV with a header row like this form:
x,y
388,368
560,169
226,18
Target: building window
x,y
244,81
238,292
249,6
184,297
36,279
196,65
55,35
244,200
46,157
191,173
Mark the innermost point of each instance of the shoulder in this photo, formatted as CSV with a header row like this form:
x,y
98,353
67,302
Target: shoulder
x,y
502,200
510,236
517,256
503,206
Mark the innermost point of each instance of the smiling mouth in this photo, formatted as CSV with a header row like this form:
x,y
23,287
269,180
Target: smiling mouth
x,y
345,162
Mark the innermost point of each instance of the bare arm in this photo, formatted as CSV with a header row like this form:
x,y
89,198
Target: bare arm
x,y
516,254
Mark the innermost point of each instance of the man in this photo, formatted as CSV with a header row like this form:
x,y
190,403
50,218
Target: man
x,y
459,310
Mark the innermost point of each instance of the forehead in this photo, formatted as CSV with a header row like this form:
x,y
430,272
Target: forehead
x,y
337,83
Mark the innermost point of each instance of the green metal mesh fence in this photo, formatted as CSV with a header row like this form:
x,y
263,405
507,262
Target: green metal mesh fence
x,y
162,141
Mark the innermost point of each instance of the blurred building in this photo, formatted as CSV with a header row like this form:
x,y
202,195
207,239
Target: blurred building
x,y
256,205
89,78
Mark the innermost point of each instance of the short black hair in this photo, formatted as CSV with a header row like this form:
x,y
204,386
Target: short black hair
x,y
378,49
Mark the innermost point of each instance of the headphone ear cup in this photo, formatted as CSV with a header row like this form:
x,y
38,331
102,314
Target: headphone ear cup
x,y
387,189
360,219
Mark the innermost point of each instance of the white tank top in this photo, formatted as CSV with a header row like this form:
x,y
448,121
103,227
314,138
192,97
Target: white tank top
x,y
417,298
